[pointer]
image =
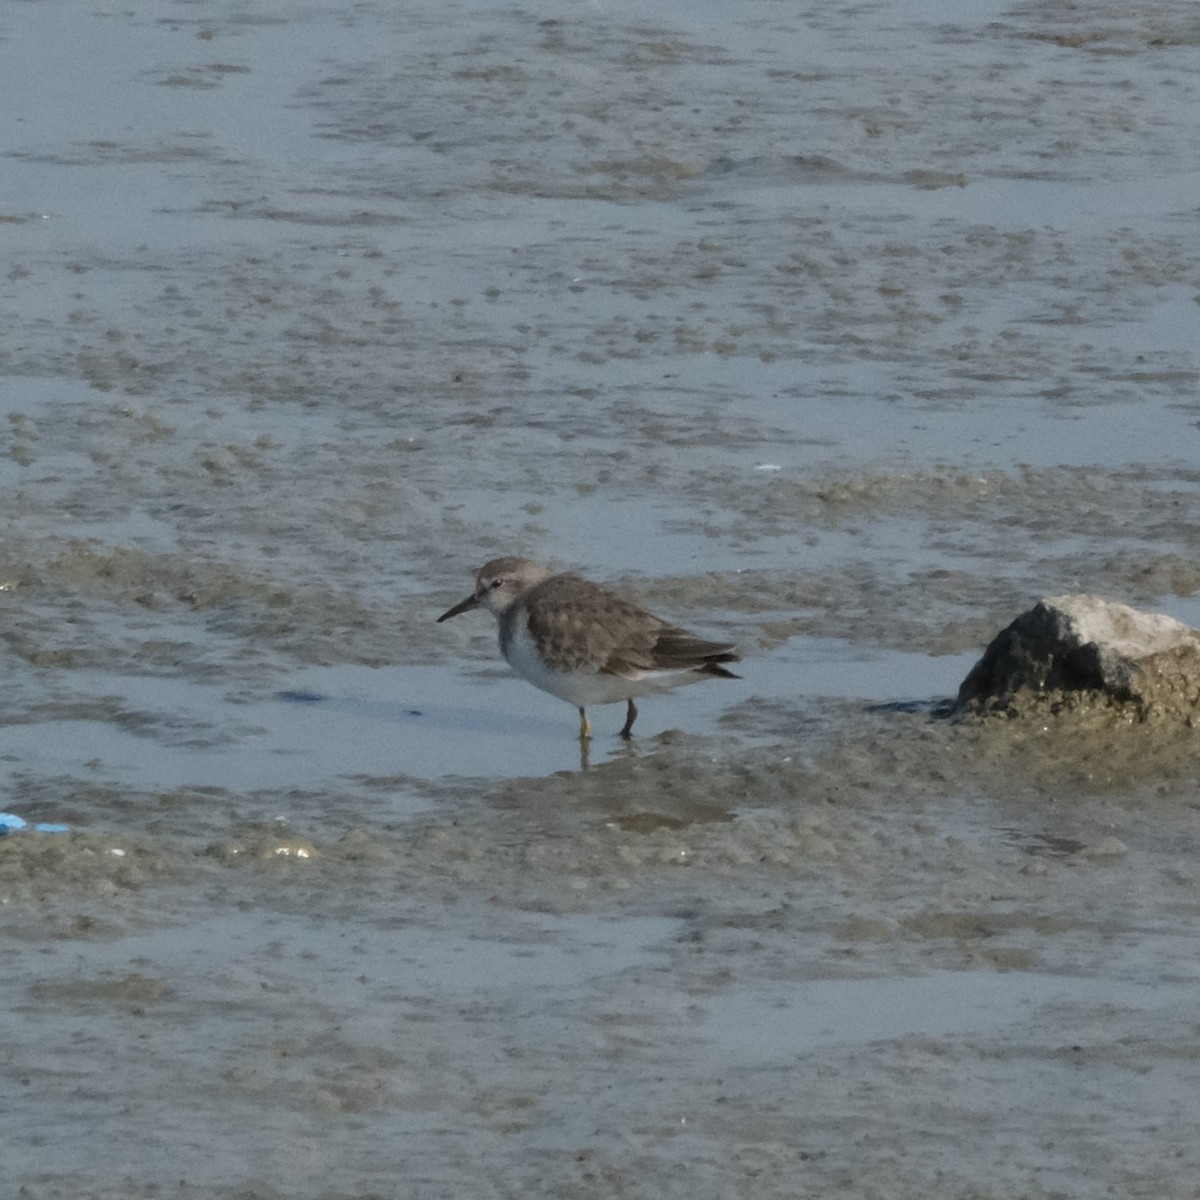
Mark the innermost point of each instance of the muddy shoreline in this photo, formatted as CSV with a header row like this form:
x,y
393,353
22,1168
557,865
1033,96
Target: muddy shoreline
x,y
842,335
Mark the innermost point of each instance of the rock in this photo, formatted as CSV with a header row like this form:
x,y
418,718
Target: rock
x,y
1078,650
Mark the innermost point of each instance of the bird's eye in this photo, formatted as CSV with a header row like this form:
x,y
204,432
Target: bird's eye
x,y
497,582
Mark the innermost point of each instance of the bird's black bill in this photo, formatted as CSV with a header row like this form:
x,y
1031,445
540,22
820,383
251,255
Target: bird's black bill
x,y
461,607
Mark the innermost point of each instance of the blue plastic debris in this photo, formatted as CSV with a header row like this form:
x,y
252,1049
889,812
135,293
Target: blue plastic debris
x,y
10,823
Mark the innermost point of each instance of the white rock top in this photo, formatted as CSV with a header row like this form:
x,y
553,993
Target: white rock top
x,y
1124,630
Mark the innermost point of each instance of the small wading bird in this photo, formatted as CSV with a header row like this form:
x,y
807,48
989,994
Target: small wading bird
x,y
584,644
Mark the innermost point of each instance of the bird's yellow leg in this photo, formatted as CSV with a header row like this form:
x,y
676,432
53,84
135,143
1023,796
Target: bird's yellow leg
x,y
585,726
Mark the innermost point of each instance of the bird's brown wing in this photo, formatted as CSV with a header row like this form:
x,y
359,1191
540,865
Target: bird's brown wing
x,y
579,625
676,649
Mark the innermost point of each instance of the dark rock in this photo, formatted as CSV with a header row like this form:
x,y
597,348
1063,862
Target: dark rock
x,y
1079,650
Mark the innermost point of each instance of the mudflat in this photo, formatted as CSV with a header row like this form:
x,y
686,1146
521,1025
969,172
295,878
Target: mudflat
x,y
839,334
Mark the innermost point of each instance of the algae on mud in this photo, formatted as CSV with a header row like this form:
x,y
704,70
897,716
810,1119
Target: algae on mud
x,y
309,312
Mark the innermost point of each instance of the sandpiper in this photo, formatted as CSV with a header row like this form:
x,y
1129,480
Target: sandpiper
x,y
584,644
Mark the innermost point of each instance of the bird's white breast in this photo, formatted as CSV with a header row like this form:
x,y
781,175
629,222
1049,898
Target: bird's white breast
x,y
587,685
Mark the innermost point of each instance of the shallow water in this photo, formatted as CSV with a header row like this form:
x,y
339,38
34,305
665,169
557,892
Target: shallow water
x,y
341,723
799,1019
843,333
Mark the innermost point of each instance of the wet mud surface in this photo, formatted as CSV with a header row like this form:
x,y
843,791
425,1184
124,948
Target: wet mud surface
x,y
844,334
